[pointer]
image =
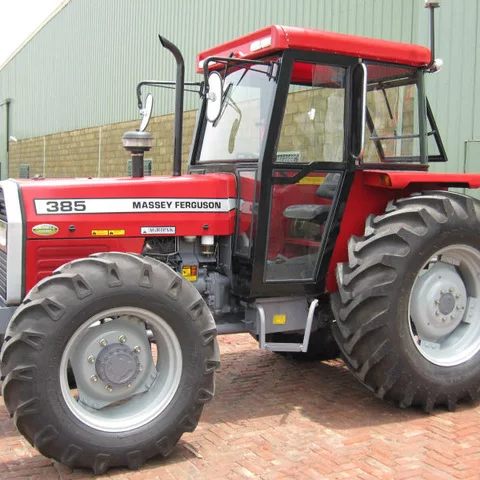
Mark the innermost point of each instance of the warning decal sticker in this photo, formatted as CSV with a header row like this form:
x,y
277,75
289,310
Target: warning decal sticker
x,y
108,233
189,272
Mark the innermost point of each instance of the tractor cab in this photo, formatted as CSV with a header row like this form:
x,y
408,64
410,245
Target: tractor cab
x,y
294,113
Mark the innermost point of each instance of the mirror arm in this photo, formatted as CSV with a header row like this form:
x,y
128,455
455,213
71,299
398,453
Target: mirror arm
x,y
139,96
165,83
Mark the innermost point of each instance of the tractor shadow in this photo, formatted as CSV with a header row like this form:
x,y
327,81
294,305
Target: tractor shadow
x,y
252,383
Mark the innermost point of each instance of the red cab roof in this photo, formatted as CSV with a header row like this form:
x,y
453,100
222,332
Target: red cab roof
x,y
276,37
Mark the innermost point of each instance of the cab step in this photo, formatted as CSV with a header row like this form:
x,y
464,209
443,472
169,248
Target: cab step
x,y
283,347
287,347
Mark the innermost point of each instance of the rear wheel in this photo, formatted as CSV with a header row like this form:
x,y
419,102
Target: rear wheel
x,y
407,314
109,361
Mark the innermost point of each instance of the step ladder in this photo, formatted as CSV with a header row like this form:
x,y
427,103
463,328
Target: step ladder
x,y
286,347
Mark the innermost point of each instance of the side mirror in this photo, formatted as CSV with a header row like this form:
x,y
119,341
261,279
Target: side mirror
x,y
214,96
359,103
146,112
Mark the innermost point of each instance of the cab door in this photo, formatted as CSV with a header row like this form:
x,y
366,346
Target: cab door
x,y
305,177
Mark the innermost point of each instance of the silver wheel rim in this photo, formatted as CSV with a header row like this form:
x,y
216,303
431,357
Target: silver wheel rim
x,y
155,378
444,315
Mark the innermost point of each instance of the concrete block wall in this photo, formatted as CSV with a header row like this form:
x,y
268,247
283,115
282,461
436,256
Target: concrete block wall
x,y
98,151
318,137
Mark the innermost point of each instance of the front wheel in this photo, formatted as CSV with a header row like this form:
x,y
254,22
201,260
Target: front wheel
x,y
109,361
408,307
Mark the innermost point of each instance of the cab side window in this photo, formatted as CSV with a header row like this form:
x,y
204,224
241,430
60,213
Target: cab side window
x,y
313,123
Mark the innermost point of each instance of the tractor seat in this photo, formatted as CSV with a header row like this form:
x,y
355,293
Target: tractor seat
x,y
312,212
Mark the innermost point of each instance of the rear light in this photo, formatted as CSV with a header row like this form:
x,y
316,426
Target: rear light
x,y
385,180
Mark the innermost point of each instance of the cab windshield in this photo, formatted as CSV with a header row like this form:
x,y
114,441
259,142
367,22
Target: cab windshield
x,y
239,132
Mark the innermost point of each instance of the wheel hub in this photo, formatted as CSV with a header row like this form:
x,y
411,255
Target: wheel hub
x,y
446,304
438,302
112,361
117,365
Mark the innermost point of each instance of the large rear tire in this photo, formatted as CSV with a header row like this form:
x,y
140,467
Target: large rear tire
x,y
81,380
407,315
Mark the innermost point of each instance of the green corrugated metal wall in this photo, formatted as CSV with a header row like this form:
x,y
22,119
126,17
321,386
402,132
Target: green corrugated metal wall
x,y
3,139
81,69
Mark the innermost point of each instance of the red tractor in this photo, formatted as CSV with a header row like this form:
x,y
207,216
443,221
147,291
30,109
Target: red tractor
x,y
308,219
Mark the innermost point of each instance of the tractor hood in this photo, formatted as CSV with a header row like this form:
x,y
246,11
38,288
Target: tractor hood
x,y
126,207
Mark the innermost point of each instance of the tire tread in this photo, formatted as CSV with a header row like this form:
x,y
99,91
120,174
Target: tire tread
x,y
23,340
368,285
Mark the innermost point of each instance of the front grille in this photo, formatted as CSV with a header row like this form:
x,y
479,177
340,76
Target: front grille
x,y
3,274
3,208
3,253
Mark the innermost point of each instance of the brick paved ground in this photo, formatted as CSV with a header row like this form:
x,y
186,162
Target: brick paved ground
x,y
274,418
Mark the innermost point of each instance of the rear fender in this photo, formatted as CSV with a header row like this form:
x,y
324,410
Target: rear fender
x,y
370,193
395,180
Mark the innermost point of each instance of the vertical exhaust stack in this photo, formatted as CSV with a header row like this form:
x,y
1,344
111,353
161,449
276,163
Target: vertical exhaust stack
x,y
435,63
179,89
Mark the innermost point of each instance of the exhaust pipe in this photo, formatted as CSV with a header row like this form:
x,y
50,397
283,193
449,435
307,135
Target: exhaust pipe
x,y
435,63
179,89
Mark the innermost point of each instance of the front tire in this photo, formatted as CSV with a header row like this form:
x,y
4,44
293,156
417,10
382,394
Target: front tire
x,y
407,316
100,318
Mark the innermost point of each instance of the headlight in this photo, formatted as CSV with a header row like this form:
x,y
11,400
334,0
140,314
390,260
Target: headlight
x,y
3,235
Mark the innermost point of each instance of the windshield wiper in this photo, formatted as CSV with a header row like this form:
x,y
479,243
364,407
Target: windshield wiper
x,y
225,101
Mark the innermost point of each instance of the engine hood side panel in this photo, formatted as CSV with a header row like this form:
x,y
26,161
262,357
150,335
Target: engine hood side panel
x,y
86,208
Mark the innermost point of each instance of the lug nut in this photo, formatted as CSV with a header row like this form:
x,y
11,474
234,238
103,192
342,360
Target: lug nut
x,y
444,292
457,297
444,319
122,338
437,313
451,290
108,388
136,349
90,359
103,342
129,385
437,302
94,379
